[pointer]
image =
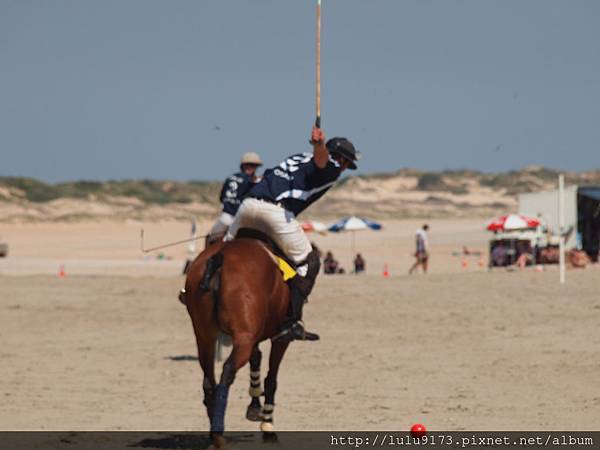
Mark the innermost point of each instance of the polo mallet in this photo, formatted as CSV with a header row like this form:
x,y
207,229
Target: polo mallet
x,y
318,119
171,244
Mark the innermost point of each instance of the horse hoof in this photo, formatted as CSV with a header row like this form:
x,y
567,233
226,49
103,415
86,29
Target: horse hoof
x,y
253,414
270,437
218,440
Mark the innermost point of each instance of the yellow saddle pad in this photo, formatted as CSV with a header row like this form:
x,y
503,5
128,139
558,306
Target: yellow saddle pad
x,y
286,270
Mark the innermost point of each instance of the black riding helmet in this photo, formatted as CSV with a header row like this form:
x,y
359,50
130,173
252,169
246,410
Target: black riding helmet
x,y
343,147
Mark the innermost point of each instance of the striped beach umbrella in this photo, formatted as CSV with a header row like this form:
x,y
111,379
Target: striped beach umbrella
x,y
512,222
354,224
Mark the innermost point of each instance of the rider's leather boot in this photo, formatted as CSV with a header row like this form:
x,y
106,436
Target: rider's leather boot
x,y
300,288
212,265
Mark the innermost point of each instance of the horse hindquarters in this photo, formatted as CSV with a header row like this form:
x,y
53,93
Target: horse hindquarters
x,y
249,305
206,338
201,308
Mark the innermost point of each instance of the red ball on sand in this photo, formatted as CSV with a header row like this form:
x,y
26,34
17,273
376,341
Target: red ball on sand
x,y
418,430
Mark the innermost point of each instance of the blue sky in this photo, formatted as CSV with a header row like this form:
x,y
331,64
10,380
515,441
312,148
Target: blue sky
x,y
180,89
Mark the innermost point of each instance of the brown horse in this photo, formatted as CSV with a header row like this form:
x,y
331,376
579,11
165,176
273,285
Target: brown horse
x,y
248,300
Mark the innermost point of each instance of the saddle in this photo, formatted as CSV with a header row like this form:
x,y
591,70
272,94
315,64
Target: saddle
x,y
285,264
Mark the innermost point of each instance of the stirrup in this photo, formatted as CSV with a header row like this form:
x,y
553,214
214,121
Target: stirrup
x,y
296,332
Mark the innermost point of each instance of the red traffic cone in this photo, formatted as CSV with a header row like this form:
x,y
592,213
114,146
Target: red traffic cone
x,y
464,262
61,271
386,272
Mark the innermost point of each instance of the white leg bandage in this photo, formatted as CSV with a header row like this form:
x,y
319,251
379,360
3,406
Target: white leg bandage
x,y
267,412
255,390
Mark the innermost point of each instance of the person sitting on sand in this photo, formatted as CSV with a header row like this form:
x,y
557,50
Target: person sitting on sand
x,y
330,265
499,255
525,254
549,255
359,264
577,259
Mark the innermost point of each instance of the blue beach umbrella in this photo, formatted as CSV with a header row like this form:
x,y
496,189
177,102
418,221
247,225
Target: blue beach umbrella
x,y
354,224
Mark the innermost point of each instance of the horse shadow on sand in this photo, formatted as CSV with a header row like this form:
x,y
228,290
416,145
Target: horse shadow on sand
x,y
182,358
198,441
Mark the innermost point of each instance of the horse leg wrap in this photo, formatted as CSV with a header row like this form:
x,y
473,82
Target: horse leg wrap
x,y
217,424
266,416
255,390
212,265
267,413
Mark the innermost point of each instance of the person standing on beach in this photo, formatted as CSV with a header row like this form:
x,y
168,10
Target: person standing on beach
x,y
422,251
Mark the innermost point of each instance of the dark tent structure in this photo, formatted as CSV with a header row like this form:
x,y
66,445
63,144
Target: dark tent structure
x,y
588,219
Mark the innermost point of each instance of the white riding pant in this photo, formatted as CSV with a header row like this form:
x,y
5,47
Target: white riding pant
x,y
277,223
222,224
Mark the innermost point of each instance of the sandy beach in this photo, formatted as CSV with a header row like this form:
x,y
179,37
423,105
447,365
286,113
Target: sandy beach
x,y
113,248
109,347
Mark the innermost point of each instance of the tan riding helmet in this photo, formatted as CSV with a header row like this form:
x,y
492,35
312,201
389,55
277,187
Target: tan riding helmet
x,y
251,158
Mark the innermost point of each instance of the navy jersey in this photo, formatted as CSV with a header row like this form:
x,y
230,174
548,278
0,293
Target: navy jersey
x,y
297,182
234,190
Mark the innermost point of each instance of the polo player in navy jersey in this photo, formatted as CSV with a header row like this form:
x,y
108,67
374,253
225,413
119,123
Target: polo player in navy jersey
x,y
273,204
233,192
